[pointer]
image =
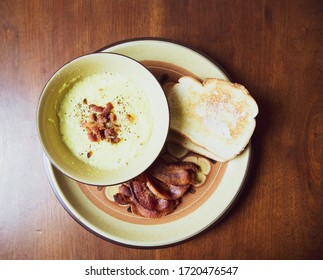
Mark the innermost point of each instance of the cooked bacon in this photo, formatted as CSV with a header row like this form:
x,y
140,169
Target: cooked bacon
x,y
142,201
151,197
145,197
108,107
165,191
89,154
110,132
96,108
111,135
178,174
124,192
102,120
101,124
92,137
112,117
92,117
139,210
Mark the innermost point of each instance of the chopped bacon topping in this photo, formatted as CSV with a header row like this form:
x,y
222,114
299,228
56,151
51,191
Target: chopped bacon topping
x,y
89,154
95,108
101,124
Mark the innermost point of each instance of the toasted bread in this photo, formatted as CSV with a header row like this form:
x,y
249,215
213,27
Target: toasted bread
x,y
186,143
215,118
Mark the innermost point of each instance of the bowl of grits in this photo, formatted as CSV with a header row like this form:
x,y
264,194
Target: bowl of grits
x,y
102,119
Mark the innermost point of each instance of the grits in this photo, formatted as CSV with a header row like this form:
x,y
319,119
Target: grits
x,y
127,100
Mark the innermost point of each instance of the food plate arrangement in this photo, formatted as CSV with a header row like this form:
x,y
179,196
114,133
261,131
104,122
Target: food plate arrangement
x,y
219,183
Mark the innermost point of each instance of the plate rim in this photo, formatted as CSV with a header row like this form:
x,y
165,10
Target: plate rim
x,y
171,41
54,183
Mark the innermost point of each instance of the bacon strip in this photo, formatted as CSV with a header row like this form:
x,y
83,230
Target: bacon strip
x,y
153,198
165,191
142,201
179,173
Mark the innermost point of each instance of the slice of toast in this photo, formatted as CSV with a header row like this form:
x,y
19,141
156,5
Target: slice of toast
x,y
186,143
215,118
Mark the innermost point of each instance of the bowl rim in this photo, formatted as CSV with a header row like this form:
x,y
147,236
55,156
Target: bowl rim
x,y
38,107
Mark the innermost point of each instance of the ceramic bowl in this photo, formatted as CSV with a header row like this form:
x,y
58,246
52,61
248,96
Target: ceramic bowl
x,y
49,123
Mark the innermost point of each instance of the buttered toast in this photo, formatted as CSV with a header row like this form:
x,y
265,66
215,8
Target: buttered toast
x,y
215,118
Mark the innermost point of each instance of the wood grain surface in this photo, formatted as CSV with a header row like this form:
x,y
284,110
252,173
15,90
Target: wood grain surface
x,y
273,48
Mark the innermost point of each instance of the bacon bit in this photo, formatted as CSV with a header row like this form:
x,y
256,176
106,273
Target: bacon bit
x,y
92,117
109,106
95,108
85,101
112,117
101,124
106,111
110,132
83,123
129,117
102,120
89,154
92,137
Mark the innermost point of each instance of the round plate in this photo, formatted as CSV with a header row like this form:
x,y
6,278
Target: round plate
x,y
220,183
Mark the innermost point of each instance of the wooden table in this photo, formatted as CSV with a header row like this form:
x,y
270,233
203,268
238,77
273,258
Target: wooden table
x,y
274,48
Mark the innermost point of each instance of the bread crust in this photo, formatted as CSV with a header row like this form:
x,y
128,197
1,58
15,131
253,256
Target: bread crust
x,y
180,139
